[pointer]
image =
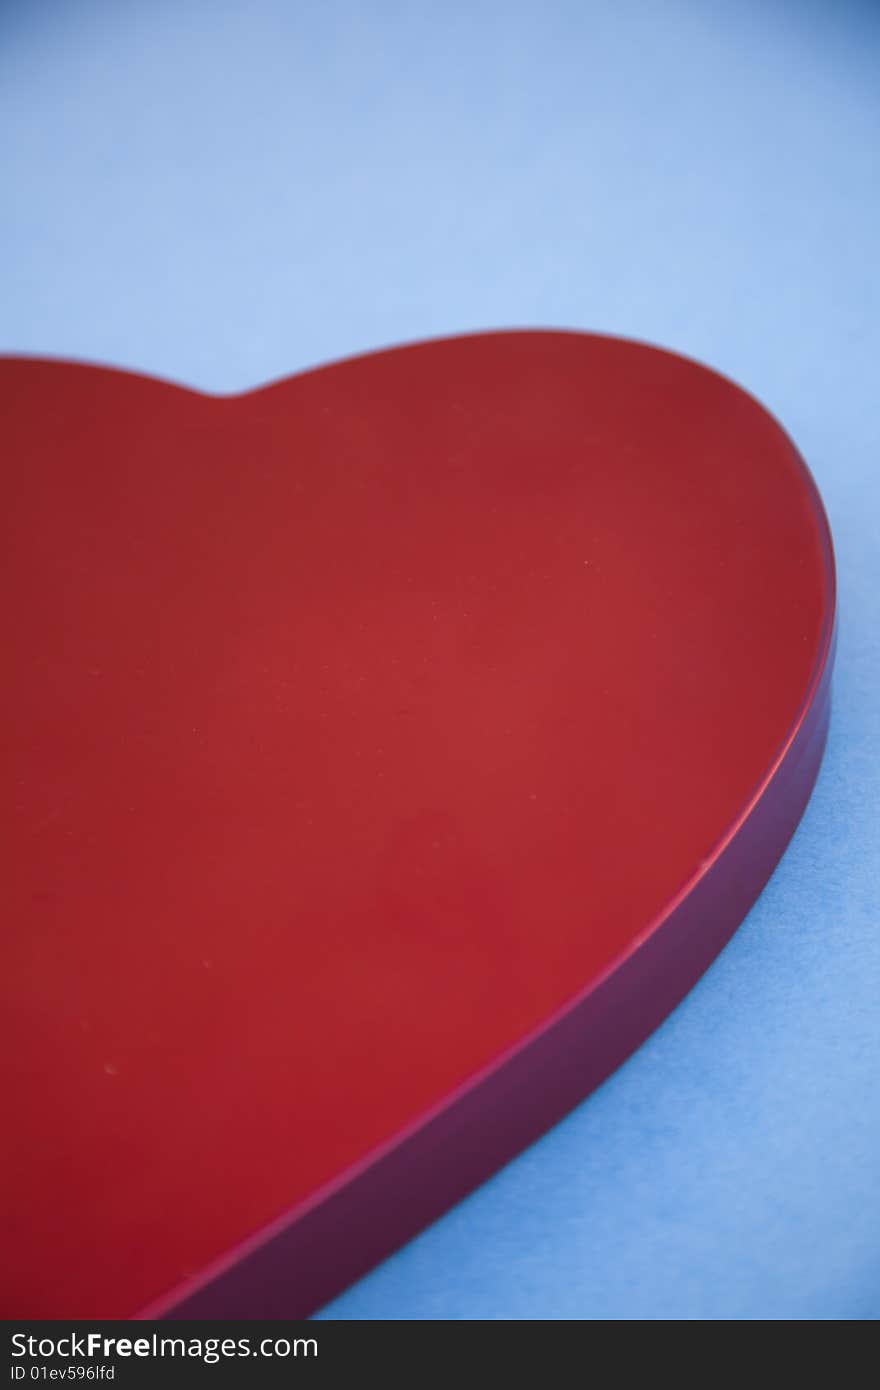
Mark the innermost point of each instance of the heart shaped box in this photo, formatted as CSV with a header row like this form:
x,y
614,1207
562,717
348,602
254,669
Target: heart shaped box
x,y
391,748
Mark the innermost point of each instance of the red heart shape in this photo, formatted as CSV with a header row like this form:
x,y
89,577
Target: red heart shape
x,y
391,748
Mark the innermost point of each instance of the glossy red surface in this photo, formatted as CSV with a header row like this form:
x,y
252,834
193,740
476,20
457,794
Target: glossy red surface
x,y
360,730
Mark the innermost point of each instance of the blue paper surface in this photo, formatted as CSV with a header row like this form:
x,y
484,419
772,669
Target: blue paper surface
x,y
224,193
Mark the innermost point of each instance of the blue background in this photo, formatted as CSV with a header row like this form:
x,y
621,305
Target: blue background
x,y
224,193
